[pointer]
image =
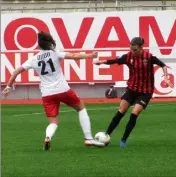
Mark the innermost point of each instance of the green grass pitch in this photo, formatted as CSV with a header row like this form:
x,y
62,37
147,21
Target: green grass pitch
x,y
150,151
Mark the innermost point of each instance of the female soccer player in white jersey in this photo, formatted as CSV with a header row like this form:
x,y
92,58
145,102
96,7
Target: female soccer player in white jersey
x,y
54,87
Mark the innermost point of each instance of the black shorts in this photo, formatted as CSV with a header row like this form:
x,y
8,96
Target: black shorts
x,y
133,97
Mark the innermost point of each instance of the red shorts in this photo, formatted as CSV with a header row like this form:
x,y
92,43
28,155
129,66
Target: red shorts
x,y
51,103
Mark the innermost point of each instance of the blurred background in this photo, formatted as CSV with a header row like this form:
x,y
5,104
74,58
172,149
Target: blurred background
x,y
123,9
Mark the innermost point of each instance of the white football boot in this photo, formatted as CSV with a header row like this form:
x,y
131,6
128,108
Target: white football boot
x,y
93,142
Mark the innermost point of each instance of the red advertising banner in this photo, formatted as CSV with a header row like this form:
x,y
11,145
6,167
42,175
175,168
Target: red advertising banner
x,y
82,71
94,31
109,33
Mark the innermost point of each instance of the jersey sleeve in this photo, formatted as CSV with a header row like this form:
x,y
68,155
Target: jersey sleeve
x,y
61,55
28,64
122,60
158,62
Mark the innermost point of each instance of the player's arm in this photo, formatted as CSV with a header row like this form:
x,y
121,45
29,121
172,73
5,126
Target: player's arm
x,y
18,71
158,62
25,66
78,56
119,61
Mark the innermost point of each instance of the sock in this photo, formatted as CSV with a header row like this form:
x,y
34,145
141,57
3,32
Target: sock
x,y
50,130
115,121
131,124
85,124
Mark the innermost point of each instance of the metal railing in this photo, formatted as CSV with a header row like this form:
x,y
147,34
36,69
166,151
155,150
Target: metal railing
x,y
83,6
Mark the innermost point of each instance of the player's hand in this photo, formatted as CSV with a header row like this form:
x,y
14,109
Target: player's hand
x,y
94,54
168,83
6,91
99,62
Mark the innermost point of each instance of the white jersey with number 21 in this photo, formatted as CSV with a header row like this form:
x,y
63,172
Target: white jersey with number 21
x,y
47,64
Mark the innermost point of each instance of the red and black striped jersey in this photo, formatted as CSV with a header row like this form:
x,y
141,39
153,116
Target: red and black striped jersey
x,y
141,70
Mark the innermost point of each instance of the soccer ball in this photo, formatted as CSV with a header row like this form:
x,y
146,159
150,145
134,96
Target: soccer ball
x,y
102,137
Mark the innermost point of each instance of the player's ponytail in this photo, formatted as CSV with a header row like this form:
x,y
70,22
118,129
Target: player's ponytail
x,y
46,41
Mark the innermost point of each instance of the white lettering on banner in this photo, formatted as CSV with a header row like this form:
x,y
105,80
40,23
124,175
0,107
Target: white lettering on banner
x,y
85,71
125,72
125,67
96,68
120,53
7,65
31,72
79,70
32,77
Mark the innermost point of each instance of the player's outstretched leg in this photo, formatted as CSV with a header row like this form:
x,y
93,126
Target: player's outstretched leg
x,y
124,105
131,124
114,122
86,127
129,127
50,131
72,99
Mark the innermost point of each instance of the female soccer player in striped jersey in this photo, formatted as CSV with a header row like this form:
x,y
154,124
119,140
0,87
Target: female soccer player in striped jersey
x,y
140,85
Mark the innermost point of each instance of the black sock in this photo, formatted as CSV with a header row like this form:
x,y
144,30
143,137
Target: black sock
x,y
131,124
115,121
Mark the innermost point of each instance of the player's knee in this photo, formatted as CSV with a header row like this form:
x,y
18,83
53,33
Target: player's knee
x,y
123,110
79,107
53,120
136,111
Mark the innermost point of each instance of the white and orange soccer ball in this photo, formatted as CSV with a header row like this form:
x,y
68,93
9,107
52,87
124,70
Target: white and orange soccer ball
x,y
102,137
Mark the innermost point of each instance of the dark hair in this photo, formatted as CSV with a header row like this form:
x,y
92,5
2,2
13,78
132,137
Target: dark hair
x,y
137,41
46,41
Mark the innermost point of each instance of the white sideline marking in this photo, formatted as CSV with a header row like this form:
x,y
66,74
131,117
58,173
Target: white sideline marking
x,y
38,113
89,109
